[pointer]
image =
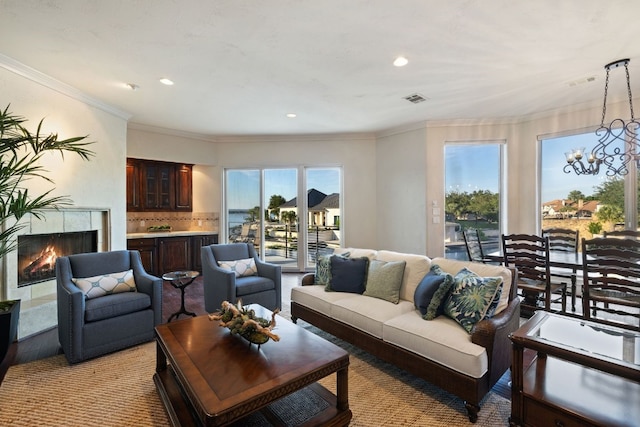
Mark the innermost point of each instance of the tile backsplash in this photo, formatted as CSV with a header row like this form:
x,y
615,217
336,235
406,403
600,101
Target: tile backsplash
x,y
138,222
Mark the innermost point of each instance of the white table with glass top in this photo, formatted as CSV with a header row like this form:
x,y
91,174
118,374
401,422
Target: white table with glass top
x,y
568,371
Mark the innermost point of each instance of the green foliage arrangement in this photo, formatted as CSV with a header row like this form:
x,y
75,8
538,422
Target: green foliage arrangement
x,y
20,155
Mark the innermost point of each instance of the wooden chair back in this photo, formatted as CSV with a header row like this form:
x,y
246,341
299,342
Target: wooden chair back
x,y
611,269
529,254
562,239
473,245
623,234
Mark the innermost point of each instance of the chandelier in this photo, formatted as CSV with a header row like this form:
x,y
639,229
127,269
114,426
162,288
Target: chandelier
x,y
611,138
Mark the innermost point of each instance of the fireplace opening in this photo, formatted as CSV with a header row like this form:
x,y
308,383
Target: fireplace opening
x,y
37,253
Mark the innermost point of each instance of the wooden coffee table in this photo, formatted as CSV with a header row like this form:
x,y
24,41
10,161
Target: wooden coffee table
x,y
214,378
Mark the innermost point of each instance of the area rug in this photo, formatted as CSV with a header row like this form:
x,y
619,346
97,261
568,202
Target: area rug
x,y
118,390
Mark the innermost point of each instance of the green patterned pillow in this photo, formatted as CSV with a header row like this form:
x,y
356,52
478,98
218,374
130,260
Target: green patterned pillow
x,y
471,297
323,269
107,284
436,305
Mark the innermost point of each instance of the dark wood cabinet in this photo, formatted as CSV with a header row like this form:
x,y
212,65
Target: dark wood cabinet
x,y
158,186
133,185
197,242
148,253
165,254
174,254
184,187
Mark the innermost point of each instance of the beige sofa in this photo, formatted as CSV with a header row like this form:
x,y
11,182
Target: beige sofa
x,y
439,350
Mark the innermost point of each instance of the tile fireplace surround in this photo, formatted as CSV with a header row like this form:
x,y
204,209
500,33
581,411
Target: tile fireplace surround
x,y
38,301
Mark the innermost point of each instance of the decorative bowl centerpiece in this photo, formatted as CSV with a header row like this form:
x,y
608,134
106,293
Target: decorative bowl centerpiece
x,y
244,322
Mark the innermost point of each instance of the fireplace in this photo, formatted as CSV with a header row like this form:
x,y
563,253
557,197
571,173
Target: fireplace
x,y
37,253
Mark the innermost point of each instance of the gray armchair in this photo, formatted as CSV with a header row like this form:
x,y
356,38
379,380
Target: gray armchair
x,y
89,328
223,285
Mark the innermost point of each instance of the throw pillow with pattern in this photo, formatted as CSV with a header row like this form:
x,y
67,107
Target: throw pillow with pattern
x,y
241,267
106,284
471,297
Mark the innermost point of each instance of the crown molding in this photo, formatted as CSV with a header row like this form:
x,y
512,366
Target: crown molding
x,y
320,137
36,76
171,132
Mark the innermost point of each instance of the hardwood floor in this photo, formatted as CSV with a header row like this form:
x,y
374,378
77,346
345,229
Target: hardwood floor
x,y
46,344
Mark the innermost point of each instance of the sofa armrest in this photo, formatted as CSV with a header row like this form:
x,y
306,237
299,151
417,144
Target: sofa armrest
x,y
493,334
308,279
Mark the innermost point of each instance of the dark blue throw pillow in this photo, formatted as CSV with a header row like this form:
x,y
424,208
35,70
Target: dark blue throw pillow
x,y
426,289
348,274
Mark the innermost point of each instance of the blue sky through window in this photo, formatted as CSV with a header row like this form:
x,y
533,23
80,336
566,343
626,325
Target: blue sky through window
x,y
555,184
243,185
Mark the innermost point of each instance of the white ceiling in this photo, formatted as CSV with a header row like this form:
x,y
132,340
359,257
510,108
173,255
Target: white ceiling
x,y
240,66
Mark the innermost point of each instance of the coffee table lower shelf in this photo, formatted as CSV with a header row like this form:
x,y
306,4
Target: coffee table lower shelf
x,y
181,413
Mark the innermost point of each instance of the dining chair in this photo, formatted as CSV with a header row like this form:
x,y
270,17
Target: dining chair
x,y
529,254
611,269
564,240
474,247
622,234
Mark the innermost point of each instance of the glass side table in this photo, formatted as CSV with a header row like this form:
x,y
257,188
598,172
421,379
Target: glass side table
x,y
180,280
576,372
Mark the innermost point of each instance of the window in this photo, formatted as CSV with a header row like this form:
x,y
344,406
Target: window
x,y
472,197
589,203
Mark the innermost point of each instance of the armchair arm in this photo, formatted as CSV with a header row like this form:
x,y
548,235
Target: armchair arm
x,y
219,284
148,284
273,272
493,334
71,303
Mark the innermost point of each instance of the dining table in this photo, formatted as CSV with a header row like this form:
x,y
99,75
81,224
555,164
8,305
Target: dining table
x,y
561,260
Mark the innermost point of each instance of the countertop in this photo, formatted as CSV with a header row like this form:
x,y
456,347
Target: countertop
x,y
155,234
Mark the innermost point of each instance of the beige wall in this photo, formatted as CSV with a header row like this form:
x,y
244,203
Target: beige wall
x,y
99,183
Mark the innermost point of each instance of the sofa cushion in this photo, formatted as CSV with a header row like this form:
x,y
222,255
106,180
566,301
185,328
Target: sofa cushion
x,y
317,298
471,297
356,252
106,284
348,274
441,340
436,305
367,313
249,285
415,269
322,274
384,280
115,305
241,267
483,270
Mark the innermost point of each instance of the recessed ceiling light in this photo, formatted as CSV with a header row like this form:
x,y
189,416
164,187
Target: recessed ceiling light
x,y
400,61
132,86
291,115
166,81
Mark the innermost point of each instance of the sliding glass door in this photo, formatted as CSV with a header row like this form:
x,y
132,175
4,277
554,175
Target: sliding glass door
x,y
287,226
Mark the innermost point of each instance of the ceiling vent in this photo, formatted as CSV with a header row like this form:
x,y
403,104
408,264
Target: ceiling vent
x,y
416,98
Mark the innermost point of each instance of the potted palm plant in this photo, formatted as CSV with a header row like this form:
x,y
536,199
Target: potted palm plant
x,y
21,152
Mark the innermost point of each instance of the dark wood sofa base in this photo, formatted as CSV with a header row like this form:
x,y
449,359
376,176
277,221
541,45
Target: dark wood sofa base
x,y
470,390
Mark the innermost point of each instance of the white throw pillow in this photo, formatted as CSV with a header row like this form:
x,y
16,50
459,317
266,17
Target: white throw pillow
x,y
106,284
242,267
